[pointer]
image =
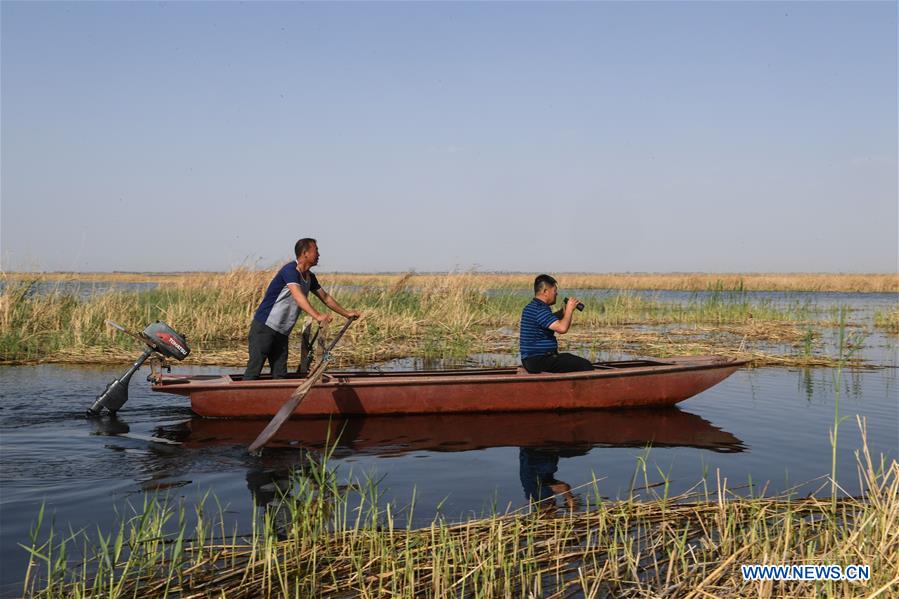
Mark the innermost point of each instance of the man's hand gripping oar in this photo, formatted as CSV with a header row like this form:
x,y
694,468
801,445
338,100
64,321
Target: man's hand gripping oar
x,y
297,396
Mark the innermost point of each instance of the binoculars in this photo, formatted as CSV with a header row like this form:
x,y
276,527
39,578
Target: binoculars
x,y
580,305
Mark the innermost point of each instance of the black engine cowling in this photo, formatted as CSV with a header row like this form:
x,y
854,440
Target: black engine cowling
x,y
169,342
160,338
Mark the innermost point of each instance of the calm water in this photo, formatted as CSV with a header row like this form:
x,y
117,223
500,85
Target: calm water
x,y
767,425
86,289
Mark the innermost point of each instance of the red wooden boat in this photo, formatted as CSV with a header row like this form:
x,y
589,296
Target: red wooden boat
x,y
622,384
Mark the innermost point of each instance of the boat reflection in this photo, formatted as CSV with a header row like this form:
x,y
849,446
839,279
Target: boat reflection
x,y
396,435
175,453
543,438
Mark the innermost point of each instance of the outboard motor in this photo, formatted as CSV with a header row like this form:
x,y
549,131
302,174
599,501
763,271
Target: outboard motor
x,y
160,338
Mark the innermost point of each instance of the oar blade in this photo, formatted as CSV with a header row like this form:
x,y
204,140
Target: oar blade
x,y
284,413
297,396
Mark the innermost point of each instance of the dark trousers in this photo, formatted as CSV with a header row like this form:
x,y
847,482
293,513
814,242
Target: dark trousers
x,y
556,363
265,343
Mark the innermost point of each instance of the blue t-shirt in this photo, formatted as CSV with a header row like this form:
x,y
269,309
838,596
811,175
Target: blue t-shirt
x,y
536,336
278,309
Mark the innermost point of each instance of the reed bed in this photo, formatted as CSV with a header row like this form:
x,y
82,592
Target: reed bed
x,y
321,539
798,282
819,282
452,315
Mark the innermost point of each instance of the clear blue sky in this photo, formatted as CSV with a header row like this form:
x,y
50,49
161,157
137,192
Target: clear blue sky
x,y
505,136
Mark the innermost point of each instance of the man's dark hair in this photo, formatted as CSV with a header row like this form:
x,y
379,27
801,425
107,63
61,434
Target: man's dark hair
x,y
302,245
543,281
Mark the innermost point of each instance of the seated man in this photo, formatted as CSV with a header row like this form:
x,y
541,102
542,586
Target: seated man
x,y
539,349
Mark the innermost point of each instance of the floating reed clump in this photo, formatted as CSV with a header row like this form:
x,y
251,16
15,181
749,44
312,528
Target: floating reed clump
x,y
323,540
887,320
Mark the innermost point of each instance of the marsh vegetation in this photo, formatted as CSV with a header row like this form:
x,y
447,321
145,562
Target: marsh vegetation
x,y
449,315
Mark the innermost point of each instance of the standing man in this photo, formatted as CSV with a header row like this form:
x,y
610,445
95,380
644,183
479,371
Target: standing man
x,y
285,297
539,348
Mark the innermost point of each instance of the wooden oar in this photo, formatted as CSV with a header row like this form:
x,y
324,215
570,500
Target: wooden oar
x,y
297,396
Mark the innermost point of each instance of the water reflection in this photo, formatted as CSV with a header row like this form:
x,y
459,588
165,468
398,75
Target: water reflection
x,y
176,452
395,435
109,426
543,438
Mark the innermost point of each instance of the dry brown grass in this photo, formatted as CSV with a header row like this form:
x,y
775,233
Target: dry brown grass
x,y
860,283
849,282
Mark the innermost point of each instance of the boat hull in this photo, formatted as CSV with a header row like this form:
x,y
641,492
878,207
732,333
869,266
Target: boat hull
x,y
629,384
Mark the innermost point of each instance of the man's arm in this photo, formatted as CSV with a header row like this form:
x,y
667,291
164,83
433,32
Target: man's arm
x,y
329,301
562,325
303,302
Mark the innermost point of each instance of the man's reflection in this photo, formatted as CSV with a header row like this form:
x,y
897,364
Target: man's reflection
x,y
537,469
267,485
270,488
284,486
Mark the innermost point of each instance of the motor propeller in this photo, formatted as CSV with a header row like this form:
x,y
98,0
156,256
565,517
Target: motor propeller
x,y
159,338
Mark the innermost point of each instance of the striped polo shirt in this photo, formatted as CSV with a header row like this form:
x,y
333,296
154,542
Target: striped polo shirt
x,y
536,336
278,309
